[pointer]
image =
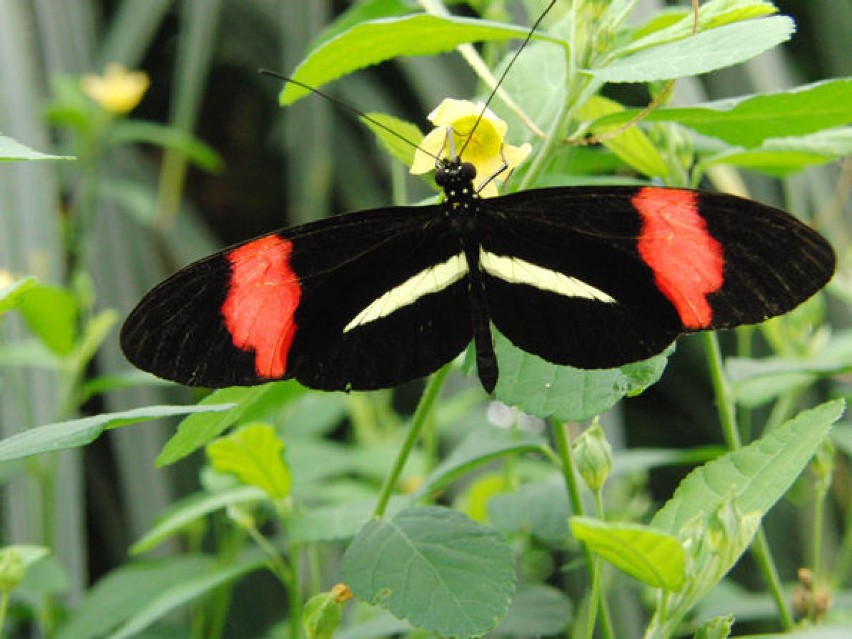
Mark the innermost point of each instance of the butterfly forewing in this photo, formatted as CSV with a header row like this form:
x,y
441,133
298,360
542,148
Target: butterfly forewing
x,y
312,303
613,274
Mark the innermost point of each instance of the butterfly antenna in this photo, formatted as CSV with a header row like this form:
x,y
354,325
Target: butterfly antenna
x,y
348,107
505,73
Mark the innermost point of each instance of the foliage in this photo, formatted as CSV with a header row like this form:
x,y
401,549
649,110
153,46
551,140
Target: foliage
x,y
452,514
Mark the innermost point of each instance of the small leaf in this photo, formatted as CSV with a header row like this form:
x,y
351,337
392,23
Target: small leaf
x,y
539,509
653,557
253,402
253,455
435,568
121,593
181,593
337,522
479,447
631,145
79,432
50,313
189,510
402,149
536,611
701,53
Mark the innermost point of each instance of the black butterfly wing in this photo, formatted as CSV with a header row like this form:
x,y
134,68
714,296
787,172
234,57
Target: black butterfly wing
x,y
346,302
612,275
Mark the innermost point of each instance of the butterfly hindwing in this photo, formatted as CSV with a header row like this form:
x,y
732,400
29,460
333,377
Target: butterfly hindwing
x,y
283,305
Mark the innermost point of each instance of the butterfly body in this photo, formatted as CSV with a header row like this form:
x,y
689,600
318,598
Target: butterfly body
x,y
592,277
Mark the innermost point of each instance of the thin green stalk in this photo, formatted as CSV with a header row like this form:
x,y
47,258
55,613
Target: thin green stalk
x,y
572,487
424,410
728,418
4,606
597,596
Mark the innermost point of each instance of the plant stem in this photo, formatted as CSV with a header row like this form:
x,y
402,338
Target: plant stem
x,y
728,418
424,410
569,475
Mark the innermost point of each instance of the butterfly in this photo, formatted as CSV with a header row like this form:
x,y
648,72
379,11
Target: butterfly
x,y
590,277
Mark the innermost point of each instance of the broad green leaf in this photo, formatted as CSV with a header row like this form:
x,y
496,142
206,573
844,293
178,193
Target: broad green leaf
x,y
11,150
247,404
120,594
338,521
780,156
180,593
79,432
631,145
538,509
13,292
568,394
358,13
749,120
190,510
398,148
50,313
478,448
655,558
704,52
254,455
677,24
369,43
537,610
757,475
435,568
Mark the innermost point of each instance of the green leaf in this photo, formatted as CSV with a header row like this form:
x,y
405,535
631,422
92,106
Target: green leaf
x,y
749,120
756,475
676,24
11,150
369,43
477,448
568,394
253,455
336,522
757,382
79,432
358,13
50,313
398,148
166,137
704,52
180,593
189,510
632,145
120,594
537,610
435,568
247,404
780,156
11,294
539,509
655,558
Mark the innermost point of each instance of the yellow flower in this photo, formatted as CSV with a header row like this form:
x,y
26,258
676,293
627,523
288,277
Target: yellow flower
x,y
117,90
486,150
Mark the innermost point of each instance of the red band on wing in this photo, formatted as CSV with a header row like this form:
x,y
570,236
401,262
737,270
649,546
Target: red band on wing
x,y
688,263
262,298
